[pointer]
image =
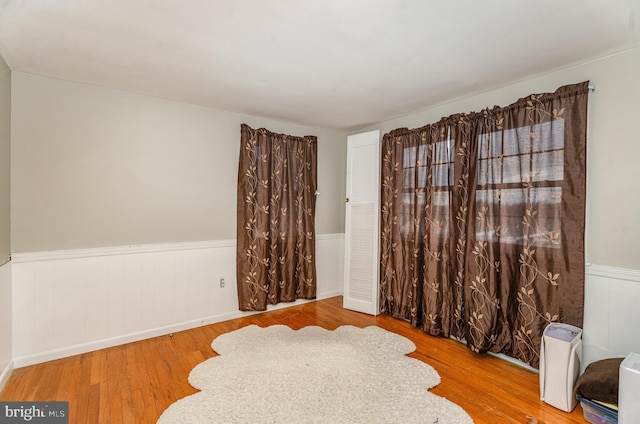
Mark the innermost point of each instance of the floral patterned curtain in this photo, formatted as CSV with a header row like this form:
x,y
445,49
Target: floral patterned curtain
x,y
275,259
482,223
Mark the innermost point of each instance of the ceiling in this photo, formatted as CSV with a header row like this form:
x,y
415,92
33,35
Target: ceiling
x,y
335,64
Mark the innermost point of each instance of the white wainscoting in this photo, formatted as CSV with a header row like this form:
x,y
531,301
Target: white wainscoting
x,y
611,313
70,302
76,301
6,362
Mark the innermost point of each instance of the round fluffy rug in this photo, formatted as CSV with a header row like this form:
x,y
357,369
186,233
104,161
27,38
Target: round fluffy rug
x,y
313,375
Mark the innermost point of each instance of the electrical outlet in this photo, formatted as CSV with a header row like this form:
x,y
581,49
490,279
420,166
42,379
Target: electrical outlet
x,y
222,282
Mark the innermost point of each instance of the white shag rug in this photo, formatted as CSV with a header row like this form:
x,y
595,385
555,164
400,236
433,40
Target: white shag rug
x,y
313,375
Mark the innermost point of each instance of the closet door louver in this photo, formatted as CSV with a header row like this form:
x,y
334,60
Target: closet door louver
x,y
362,223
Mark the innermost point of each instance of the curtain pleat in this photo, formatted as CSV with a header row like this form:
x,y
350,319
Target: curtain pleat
x,y
275,260
482,222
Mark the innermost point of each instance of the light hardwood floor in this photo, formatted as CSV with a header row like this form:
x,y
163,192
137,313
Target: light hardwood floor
x,y
134,383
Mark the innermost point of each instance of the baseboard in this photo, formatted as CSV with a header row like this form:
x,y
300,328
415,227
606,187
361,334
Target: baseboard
x,y
514,361
329,294
147,334
78,349
5,375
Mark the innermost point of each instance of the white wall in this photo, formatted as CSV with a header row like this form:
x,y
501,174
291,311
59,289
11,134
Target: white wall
x,y
104,178
124,215
5,270
95,167
5,160
612,286
613,150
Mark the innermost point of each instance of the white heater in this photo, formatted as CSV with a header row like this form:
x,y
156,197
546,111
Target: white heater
x,y
560,355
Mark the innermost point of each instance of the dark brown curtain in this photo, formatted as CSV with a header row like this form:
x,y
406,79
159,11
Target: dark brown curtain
x,y
482,223
275,258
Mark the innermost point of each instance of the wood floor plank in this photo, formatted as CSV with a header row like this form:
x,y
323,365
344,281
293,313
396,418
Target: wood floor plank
x,y
92,412
136,382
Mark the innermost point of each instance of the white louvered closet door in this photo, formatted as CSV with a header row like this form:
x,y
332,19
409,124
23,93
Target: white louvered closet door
x,y
361,262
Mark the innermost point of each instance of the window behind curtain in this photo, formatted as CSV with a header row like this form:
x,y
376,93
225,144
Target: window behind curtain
x,y
275,259
518,168
482,222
